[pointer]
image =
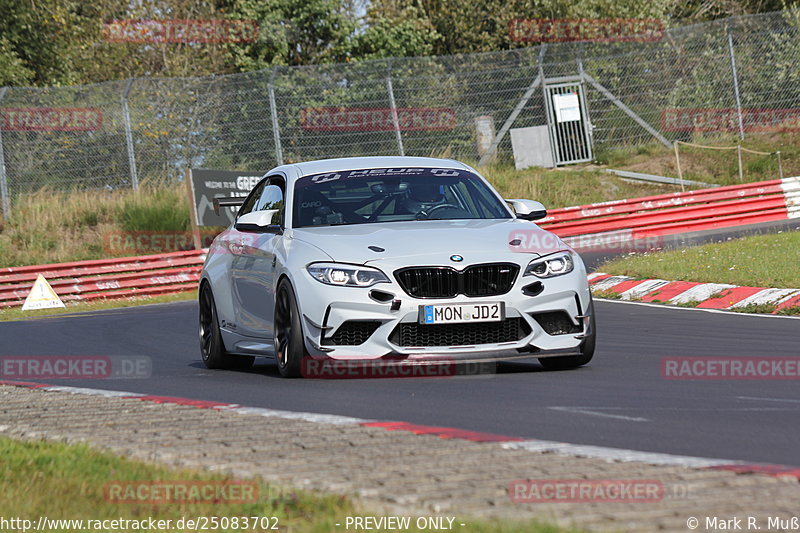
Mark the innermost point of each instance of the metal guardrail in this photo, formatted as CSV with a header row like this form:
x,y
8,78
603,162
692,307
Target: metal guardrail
x,y
147,275
653,178
666,214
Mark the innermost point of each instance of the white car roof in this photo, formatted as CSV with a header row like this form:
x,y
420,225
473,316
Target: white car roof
x,y
355,163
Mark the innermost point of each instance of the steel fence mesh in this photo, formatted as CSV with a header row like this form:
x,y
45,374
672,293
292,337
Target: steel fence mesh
x,y
154,128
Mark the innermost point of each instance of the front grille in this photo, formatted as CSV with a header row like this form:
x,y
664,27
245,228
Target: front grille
x,y
413,334
490,279
556,323
431,282
352,333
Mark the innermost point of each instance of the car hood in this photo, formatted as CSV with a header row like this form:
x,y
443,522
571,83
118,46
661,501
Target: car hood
x,y
437,240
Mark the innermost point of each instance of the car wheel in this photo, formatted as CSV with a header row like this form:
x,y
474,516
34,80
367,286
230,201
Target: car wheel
x,y
211,346
586,348
289,347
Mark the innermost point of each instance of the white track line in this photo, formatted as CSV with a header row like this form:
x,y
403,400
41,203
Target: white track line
x,y
582,411
308,417
93,392
755,398
615,454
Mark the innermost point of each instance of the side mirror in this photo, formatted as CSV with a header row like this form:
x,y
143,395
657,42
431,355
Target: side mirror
x,y
527,209
258,222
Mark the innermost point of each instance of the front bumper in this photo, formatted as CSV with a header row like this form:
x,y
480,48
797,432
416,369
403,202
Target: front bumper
x,y
552,322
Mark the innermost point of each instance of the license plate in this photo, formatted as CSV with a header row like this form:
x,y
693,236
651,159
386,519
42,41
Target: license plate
x,y
459,313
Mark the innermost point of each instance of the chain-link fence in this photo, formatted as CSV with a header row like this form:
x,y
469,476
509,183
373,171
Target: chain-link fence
x,y
730,73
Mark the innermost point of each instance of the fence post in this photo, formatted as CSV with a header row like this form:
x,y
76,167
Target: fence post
x,y
739,153
678,165
6,204
735,82
555,150
273,111
395,119
126,116
581,72
511,118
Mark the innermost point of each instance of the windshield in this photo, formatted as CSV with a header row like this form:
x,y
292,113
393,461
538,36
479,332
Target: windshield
x,y
393,195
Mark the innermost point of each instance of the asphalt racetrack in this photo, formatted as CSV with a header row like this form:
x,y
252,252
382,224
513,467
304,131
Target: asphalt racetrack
x,y
620,399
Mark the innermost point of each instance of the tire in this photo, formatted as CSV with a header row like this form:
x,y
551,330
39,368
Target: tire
x,y
290,350
568,362
212,349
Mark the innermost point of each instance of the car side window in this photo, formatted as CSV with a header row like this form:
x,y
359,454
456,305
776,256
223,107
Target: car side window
x,y
272,198
250,202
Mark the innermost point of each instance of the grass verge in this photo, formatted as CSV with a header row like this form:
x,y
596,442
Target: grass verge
x,y
69,482
768,261
719,167
755,261
17,313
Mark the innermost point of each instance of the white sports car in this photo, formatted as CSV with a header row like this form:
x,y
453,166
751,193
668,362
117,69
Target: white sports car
x,y
390,258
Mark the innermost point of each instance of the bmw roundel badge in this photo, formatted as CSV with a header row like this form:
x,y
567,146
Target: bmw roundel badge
x,y
457,258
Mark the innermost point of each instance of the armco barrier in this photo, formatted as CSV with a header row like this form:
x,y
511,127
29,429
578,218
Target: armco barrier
x,y
666,214
106,278
635,218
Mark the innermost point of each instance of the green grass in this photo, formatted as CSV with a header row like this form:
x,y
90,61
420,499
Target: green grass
x,y
567,187
62,481
52,227
756,261
163,210
711,166
16,313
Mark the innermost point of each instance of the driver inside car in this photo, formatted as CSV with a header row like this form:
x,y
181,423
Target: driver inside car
x,y
422,197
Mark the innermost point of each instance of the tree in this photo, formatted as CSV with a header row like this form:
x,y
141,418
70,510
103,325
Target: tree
x,y
293,32
12,68
40,41
464,27
394,33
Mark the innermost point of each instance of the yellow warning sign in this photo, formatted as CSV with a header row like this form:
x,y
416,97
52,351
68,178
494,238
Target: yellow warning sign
x,y
42,296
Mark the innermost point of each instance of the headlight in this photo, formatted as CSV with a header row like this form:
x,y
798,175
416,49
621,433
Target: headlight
x,y
551,265
346,275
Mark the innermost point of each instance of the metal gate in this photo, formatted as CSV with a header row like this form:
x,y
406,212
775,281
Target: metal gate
x,y
568,122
